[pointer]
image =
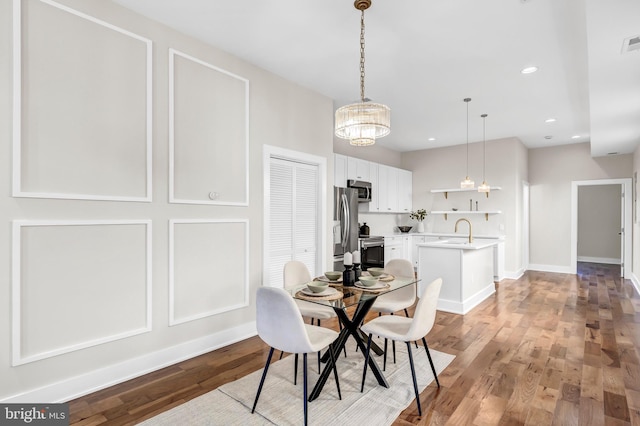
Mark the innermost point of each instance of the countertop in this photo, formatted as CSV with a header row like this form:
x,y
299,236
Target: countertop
x,y
460,245
441,235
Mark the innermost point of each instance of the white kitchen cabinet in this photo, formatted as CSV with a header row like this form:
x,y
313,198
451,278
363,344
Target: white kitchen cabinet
x,y
374,205
419,239
405,191
393,248
340,170
357,169
388,189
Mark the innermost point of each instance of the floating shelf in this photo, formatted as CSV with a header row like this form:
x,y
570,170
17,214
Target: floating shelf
x,y
486,213
447,191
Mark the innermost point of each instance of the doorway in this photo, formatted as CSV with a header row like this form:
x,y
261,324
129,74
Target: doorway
x,y
294,212
622,205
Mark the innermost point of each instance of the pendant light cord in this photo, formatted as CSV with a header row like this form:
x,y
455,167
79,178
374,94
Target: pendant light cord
x,y
362,56
484,146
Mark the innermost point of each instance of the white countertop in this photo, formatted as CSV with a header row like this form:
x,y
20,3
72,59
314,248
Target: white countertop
x,y
441,235
459,245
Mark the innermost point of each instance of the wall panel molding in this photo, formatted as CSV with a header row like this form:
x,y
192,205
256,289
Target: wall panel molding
x,y
83,145
208,268
77,284
210,165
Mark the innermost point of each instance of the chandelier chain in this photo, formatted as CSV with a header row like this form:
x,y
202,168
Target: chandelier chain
x,y
362,56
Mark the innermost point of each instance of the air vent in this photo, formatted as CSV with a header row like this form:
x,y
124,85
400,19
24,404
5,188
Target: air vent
x,y
631,44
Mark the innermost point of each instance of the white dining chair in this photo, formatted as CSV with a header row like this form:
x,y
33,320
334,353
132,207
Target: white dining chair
x,y
281,327
396,300
402,329
296,273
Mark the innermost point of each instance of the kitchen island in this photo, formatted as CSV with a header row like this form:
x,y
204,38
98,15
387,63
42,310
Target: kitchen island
x,y
466,268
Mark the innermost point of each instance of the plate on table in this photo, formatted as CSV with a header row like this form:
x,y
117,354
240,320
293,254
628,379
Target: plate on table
x,y
376,286
327,280
329,291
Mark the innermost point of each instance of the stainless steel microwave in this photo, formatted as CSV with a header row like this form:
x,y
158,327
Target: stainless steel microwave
x,y
363,188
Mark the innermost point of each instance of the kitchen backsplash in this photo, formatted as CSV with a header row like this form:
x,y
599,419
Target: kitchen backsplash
x,y
385,224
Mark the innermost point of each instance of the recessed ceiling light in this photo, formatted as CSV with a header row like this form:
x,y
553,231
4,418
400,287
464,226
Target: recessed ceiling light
x,y
431,139
548,137
612,153
575,137
550,120
529,70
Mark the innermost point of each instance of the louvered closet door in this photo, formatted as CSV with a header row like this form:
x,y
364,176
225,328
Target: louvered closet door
x,y
293,233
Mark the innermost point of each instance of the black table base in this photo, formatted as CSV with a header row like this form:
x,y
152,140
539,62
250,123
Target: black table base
x,y
351,327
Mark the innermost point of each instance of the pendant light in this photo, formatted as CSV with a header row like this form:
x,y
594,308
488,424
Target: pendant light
x,y
467,183
484,187
365,121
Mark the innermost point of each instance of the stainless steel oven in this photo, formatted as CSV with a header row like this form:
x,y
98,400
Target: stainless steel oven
x,y
371,252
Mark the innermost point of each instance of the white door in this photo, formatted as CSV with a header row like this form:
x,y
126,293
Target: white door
x,y
293,218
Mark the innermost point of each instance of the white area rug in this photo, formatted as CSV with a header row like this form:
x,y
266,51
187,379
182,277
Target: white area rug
x,y
281,402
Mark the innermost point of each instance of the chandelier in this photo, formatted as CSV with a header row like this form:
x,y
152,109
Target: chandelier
x,y
365,121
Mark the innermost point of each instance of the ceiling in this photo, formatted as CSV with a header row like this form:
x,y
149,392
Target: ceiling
x,y
424,57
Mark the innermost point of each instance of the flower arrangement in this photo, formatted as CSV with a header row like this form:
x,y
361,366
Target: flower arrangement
x,y
418,215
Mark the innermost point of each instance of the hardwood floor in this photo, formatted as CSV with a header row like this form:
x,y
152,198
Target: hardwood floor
x,y
547,349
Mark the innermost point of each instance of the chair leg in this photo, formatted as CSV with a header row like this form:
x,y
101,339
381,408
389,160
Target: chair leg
x,y
413,375
304,363
426,348
407,315
366,362
393,346
335,369
384,364
281,353
295,370
264,375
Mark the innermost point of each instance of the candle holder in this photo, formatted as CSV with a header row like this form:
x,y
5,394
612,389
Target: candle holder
x,y
357,271
348,276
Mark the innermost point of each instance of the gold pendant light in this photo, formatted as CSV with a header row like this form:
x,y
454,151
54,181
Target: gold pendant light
x,y
485,186
467,183
365,121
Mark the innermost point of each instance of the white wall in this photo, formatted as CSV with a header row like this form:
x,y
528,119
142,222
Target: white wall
x,y
440,168
551,171
280,114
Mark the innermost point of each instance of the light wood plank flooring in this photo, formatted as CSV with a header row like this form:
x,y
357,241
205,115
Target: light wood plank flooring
x,y
547,349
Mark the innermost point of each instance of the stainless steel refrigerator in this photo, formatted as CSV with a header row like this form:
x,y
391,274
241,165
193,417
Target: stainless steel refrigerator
x,y
345,224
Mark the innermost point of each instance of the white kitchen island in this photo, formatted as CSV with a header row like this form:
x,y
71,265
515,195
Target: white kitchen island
x,y
466,269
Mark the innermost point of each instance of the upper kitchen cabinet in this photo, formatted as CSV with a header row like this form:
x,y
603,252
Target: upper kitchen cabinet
x,y
394,189
357,169
340,170
391,188
405,191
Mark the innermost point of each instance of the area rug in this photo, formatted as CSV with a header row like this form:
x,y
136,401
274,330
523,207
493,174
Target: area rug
x,y
281,402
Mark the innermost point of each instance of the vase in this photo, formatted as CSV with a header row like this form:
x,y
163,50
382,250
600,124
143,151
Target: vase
x,y
420,226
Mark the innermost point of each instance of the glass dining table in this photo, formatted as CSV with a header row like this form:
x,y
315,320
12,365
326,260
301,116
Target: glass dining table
x,y
340,298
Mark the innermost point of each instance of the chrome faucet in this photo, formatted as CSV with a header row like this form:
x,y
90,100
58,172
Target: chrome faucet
x,y
470,228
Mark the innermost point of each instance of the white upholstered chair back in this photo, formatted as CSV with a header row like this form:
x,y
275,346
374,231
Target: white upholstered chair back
x,y
279,322
295,273
425,313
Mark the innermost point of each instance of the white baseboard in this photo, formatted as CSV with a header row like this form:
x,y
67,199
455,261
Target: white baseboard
x,y
636,283
607,260
552,268
462,308
84,384
511,275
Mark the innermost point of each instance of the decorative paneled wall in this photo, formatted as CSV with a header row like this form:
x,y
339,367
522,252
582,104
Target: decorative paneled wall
x,y
71,289
82,106
209,133
209,268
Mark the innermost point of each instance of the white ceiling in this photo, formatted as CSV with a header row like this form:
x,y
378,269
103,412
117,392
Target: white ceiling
x,y
424,57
